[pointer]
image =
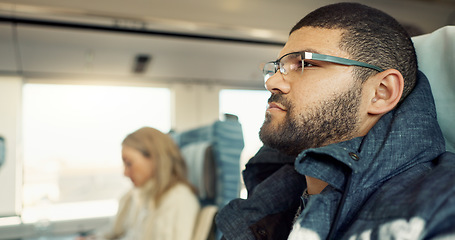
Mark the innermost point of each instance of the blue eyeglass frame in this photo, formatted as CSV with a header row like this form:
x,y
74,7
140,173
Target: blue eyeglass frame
x,y
326,58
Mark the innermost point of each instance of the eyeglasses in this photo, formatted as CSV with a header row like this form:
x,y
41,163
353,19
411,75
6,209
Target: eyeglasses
x,y
294,63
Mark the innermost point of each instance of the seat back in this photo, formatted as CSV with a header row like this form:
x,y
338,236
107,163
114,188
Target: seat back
x,y
205,224
212,154
436,59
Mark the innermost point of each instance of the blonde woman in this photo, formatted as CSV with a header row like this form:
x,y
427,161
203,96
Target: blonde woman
x,y
162,205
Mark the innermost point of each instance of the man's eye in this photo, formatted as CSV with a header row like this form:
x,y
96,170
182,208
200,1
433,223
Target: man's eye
x,y
308,64
295,65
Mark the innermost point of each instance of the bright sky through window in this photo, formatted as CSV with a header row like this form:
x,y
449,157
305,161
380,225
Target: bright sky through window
x,y
72,138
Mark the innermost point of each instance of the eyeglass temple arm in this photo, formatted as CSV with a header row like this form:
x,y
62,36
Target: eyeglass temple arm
x,y
344,61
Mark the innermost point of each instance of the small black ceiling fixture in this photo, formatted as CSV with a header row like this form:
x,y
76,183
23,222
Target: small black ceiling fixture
x,y
140,63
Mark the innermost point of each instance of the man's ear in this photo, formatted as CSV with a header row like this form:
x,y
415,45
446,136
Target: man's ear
x,y
386,90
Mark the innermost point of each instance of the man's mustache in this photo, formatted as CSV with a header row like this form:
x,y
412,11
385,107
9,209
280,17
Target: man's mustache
x,y
279,98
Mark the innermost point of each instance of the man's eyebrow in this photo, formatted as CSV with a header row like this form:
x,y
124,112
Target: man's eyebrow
x,y
311,50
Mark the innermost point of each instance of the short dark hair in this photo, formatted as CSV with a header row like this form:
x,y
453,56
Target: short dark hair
x,y
370,36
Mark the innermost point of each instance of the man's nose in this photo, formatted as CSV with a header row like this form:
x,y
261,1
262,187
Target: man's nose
x,y
277,84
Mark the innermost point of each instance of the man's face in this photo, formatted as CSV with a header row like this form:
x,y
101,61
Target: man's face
x,y
319,108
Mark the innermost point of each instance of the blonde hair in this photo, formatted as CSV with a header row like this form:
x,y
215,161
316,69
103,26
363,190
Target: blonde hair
x,y
170,167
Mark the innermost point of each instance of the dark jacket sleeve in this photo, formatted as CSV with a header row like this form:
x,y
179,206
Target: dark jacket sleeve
x,y
274,190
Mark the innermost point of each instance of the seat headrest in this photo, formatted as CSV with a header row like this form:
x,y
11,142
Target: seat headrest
x,y
436,59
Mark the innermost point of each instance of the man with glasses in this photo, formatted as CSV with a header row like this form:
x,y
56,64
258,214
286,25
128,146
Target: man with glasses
x,y
352,147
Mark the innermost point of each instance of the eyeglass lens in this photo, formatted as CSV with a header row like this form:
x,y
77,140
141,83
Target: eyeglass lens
x,y
289,64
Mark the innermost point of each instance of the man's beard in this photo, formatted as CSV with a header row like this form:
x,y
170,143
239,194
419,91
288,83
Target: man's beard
x,y
334,120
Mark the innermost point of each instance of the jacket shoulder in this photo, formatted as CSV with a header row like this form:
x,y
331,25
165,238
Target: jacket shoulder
x,y
419,191
421,200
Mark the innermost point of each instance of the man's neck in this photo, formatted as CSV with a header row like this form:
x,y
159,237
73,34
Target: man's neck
x,y
314,185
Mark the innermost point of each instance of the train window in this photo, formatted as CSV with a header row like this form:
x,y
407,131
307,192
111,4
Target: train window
x,y
72,136
251,115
